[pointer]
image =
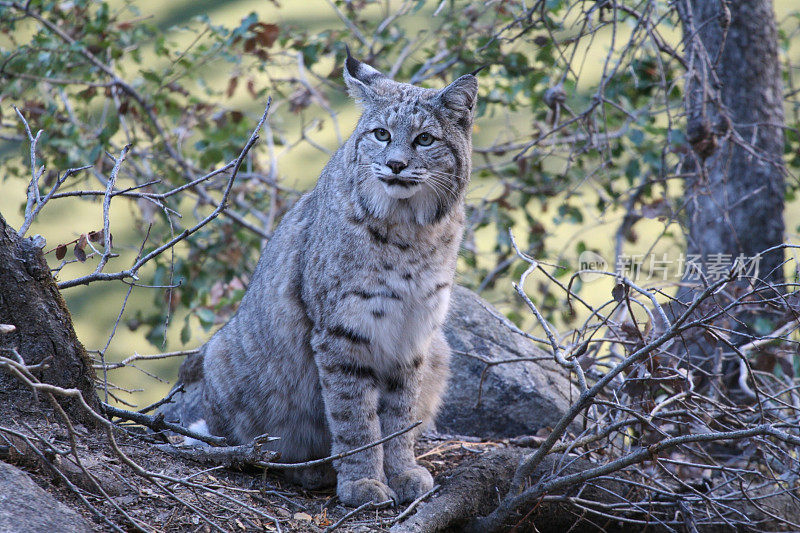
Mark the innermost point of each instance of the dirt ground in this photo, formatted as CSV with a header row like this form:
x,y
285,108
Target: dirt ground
x,y
184,494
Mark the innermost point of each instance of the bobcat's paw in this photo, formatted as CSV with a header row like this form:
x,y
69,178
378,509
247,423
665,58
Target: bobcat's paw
x,y
412,483
364,490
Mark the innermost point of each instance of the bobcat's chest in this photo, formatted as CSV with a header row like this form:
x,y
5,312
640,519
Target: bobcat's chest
x,y
398,294
403,325
416,283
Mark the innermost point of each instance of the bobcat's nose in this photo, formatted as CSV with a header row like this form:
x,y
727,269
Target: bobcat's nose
x,y
396,166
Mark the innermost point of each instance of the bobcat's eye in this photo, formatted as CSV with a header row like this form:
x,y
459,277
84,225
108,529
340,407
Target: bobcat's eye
x,y
424,139
382,135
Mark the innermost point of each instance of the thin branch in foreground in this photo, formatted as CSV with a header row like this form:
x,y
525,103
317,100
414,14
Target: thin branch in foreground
x,y
530,463
157,423
221,206
413,505
508,506
166,399
369,506
21,372
138,357
33,187
251,454
331,458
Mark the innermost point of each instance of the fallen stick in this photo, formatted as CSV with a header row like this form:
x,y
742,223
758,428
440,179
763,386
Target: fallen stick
x,y
157,423
251,454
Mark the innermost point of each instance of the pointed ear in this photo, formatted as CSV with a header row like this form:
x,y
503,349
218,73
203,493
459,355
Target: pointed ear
x,y
460,95
360,79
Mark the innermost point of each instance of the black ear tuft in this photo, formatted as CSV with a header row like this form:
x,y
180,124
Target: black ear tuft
x,y
477,70
351,63
361,79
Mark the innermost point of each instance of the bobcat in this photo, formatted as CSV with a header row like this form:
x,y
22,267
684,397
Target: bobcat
x,y
338,339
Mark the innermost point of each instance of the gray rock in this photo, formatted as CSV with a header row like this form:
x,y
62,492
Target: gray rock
x,y
25,507
516,398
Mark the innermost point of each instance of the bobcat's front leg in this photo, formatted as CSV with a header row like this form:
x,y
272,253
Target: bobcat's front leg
x,y
398,410
350,393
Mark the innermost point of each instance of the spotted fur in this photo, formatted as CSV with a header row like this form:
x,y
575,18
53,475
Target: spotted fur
x,y
338,339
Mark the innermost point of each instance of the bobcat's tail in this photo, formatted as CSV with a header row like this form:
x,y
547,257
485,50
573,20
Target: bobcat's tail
x,y
198,427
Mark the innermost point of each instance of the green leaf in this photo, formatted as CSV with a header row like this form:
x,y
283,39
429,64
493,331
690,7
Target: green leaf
x,y
632,170
206,317
186,332
149,75
636,136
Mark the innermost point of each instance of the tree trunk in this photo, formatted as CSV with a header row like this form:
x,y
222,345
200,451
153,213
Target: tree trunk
x,y
734,192
30,301
735,175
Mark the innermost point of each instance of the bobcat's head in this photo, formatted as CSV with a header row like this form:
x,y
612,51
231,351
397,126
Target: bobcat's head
x,y
412,146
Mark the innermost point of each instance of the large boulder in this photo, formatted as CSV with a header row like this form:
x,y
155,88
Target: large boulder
x,y
501,400
25,507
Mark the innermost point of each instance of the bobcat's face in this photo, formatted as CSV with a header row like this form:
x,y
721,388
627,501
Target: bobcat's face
x,y
403,147
412,146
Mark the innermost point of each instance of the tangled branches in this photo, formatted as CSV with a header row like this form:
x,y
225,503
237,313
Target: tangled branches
x,y
690,445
